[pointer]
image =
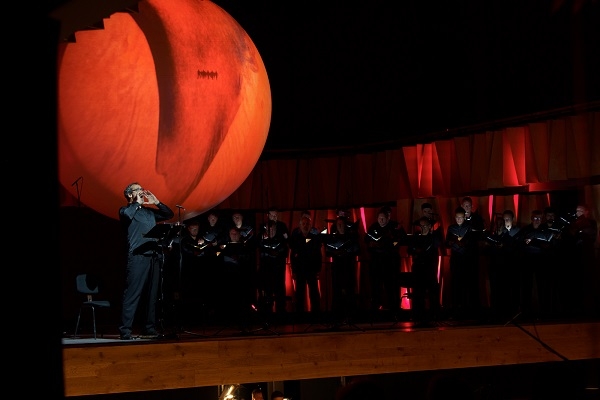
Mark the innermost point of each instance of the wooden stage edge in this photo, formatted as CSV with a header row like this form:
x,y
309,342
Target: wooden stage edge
x,y
119,367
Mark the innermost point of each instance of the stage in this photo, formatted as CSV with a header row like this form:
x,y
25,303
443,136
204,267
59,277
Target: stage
x,y
222,354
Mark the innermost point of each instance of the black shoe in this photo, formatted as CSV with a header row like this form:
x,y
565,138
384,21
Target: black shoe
x,y
126,336
422,324
150,334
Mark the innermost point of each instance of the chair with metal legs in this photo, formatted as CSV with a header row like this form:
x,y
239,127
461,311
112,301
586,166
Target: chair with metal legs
x,y
88,285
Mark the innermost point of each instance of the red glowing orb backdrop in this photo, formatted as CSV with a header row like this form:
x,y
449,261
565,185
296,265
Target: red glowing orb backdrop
x,y
175,97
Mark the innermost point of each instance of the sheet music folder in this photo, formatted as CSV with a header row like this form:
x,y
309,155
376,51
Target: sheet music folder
x,y
337,245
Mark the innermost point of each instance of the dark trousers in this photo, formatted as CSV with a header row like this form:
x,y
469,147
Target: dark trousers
x,y
504,285
234,303
426,291
464,283
272,282
536,285
142,281
384,273
311,280
343,284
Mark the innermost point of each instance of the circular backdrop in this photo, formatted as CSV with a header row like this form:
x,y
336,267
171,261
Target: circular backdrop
x,y
175,97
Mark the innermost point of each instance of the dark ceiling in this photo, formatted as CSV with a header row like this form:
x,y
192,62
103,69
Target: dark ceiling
x,y
367,73
372,74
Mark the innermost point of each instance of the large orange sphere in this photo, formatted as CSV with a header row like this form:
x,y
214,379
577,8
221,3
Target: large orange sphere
x,y
175,97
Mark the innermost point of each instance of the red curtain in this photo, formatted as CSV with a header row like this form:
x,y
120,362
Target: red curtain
x,y
551,154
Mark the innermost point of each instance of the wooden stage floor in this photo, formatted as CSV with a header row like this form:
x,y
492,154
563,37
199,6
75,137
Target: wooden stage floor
x,y
222,355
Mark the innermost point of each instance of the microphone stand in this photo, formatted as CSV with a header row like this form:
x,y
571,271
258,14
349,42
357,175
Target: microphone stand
x,y
162,232
177,303
179,208
76,184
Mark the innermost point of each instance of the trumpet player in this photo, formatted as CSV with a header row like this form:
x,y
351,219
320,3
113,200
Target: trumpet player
x,y
138,217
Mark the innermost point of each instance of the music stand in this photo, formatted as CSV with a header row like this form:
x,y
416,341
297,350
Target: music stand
x,y
163,232
346,319
184,294
336,326
263,319
335,246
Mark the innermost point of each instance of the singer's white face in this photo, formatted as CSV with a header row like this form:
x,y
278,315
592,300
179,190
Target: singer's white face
x,y
305,224
234,235
135,191
193,229
383,219
468,207
212,219
237,219
459,218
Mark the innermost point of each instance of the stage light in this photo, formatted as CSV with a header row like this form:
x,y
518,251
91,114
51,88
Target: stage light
x,y
230,393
